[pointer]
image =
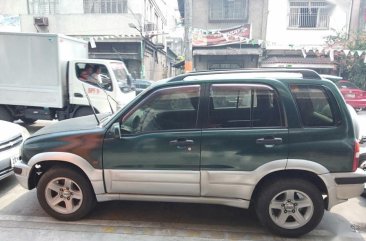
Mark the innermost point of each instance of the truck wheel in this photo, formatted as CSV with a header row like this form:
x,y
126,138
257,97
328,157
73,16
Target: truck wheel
x,y
83,111
65,194
290,207
5,115
28,121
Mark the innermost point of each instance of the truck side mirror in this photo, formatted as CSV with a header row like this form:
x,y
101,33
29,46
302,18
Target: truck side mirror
x,y
125,89
363,140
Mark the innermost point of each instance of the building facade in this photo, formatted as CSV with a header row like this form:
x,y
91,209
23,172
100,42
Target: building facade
x,y
225,34
297,31
132,31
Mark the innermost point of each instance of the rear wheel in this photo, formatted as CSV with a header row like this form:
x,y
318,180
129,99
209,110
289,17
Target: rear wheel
x,y
5,115
290,207
65,194
83,111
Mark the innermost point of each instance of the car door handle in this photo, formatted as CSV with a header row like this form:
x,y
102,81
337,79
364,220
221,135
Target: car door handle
x,y
78,95
181,143
269,141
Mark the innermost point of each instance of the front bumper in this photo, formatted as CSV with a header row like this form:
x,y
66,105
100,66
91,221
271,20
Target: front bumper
x,y
22,172
343,186
7,159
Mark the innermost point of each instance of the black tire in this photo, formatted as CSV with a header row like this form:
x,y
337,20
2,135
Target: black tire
x,y
28,121
83,186
364,193
5,115
272,190
83,111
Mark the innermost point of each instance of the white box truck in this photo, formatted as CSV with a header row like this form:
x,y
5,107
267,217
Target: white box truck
x,y
49,76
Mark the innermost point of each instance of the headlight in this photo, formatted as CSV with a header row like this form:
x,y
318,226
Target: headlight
x,y
25,133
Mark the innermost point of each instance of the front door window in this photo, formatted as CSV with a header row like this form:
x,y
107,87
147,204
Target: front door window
x,y
168,109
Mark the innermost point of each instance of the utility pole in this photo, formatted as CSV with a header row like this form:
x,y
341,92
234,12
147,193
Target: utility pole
x,y
188,64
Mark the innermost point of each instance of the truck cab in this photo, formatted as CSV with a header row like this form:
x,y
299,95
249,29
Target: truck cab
x,y
107,84
49,76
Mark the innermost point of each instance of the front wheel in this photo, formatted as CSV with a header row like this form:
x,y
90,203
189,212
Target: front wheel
x,y
65,194
28,121
290,207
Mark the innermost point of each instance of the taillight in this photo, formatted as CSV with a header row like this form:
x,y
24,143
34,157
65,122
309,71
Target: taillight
x,y
356,157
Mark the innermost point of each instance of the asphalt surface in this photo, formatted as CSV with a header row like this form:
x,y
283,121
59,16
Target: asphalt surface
x,y
22,218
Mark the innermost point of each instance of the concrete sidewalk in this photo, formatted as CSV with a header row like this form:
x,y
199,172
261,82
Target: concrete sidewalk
x,y
44,228
347,222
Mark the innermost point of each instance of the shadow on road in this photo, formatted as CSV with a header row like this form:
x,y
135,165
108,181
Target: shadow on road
x,y
191,217
174,213
7,184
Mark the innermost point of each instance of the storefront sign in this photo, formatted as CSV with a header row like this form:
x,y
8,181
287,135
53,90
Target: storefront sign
x,y
206,38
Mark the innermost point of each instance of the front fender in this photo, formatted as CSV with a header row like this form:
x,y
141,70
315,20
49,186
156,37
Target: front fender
x,y
95,176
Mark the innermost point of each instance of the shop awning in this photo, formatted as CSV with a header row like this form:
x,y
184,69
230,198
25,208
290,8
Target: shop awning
x,y
298,62
228,51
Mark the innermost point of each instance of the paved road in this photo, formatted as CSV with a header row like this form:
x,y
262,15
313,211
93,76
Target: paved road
x,y
21,217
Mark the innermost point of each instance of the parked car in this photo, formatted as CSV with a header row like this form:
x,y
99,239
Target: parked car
x,y
333,78
363,153
286,146
141,84
11,137
352,94
363,167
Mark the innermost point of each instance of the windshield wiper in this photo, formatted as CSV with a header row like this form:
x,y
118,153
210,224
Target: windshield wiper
x,y
88,98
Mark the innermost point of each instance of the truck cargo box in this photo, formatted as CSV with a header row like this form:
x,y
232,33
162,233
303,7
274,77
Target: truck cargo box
x,y
34,67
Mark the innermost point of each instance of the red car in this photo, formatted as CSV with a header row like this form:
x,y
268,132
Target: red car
x,y
353,95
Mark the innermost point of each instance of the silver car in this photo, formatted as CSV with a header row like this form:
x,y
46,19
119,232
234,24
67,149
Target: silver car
x,y
11,138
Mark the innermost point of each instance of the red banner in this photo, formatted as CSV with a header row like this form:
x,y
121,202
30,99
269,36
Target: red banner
x,y
205,38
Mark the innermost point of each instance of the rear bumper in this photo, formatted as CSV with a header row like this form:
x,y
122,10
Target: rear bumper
x,y
356,103
343,186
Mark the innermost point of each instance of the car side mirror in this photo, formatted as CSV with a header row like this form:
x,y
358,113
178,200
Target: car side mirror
x,y
116,130
363,140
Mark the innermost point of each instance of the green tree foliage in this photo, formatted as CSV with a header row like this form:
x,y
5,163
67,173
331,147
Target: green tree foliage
x,y
352,67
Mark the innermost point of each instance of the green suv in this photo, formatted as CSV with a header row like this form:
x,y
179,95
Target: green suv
x,y
280,141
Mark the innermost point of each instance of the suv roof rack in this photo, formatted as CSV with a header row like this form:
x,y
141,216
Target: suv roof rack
x,y
306,73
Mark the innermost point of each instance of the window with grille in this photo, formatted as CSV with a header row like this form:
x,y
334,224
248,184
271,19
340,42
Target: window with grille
x,y
44,7
105,6
228,10
309,14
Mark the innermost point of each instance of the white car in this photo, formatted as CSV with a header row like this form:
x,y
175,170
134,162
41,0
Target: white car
x,y
12,137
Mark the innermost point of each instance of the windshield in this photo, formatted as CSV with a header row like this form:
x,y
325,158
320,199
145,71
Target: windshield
x,y
121,73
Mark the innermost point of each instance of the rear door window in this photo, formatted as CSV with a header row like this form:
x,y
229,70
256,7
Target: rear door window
x,y
243,105
316,106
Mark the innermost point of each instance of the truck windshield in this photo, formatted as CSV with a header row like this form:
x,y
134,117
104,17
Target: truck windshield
x,y
121,73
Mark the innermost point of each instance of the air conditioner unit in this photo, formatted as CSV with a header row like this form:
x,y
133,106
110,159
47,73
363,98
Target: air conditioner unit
x,y
41,21
149,27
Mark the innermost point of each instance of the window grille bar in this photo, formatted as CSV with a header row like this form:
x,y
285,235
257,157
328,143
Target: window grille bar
x,y
308,14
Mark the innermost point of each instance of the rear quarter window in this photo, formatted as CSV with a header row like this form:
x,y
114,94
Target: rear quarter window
x,y
316,105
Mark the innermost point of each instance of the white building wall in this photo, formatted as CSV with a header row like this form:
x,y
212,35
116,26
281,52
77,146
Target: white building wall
x,y
279,35
84,24
71,7
13,7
